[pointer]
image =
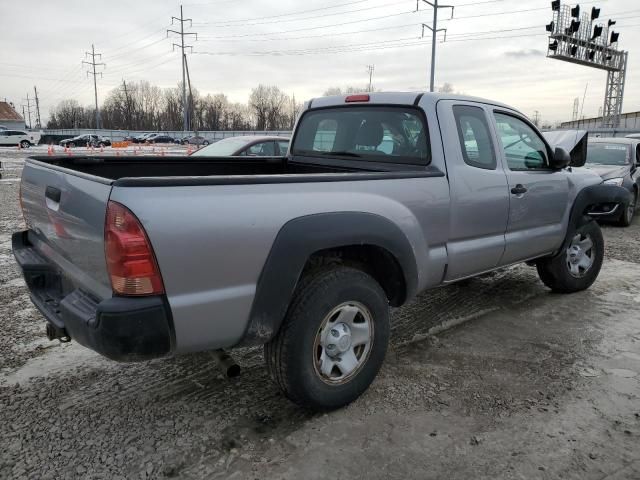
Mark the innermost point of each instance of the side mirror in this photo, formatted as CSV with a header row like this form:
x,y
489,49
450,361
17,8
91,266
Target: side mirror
x,y
561,159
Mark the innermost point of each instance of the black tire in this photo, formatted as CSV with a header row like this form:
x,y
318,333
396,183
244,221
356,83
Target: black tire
x,y
25,144
627,213
555,272
291,355
205,143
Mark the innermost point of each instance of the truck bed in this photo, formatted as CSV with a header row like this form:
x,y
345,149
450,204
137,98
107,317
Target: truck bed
x,y
174,170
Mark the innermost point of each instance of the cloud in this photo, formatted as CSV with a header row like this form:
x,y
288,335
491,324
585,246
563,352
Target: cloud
x,y
529,52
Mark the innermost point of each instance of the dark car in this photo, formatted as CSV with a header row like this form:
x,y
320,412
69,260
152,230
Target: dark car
x,y
616,160
142,138
159,138
246,145
83,140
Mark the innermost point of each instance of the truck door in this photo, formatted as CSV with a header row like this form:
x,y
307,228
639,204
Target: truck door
x,y
478,189
538,195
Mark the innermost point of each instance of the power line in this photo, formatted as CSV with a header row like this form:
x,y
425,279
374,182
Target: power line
x,y
182,47
94,64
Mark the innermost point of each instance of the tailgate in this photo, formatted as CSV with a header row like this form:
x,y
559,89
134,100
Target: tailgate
x,y
65,214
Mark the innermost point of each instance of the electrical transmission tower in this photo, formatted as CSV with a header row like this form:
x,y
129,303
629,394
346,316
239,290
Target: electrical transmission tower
x,y
434,32
370,69
28,105
95,64
182,47
38,122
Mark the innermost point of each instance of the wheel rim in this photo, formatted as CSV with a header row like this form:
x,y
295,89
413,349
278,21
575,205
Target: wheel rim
x,y
343,343
25,144
580,255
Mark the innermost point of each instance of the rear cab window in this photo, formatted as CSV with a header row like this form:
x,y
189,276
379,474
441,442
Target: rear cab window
x,y
384,134
475,139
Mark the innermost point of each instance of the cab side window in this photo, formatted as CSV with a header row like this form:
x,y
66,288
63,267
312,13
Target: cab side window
x,y
475,140
523,148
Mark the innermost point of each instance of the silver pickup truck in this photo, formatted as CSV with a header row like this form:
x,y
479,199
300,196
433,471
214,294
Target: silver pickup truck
x,y
381,196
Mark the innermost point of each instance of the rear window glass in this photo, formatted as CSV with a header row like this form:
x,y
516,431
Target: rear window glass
x,y
377,134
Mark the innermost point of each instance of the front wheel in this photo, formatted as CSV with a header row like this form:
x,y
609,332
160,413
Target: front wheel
x,y
25,144
333,339
627,215
578,266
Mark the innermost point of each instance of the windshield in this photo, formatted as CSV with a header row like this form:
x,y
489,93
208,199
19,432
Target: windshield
x,y
371,133
222,148
607,154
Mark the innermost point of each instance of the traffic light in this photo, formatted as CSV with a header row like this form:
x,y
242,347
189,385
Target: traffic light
x,y
595,13
597,31
575,11
574,50
592,54
555,5
553,46
575,26
614,37
549,27
611,22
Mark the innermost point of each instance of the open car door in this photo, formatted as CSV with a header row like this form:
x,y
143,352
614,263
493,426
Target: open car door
x,y
573,141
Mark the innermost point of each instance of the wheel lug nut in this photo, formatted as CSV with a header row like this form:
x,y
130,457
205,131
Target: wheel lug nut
x,y
335,332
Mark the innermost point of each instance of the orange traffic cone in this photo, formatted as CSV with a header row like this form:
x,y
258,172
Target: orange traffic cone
x,y
49,152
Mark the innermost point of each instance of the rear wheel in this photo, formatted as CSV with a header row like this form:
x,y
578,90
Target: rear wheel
x,y
25,144
578,266
333,339
627,215
205,143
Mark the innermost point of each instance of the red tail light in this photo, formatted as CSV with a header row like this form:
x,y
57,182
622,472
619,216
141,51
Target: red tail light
x,y
357,98
131,263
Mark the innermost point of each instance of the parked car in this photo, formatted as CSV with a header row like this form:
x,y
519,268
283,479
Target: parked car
x,y
616,160
305,253
141,138
14,138
84,140
246,145
159,138
192,140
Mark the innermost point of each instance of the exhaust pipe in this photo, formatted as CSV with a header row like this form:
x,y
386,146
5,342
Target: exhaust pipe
x,y
226,362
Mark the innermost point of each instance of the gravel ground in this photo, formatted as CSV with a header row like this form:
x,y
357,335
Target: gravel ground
x,y
535,386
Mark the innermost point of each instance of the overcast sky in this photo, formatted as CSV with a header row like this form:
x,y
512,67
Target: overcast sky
x,y
305,48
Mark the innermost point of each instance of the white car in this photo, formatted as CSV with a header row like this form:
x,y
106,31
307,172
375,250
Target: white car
x,y
14,138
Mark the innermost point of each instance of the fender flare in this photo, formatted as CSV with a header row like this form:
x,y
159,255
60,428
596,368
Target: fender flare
x,y
587,197
300,238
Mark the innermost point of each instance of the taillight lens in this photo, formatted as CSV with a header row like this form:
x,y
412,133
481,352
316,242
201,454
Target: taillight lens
x,y
131,263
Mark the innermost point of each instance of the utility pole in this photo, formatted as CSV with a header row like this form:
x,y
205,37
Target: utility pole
x,y
191,106
93,64
38,122
370,69
182,46
28,109
536,118
434,32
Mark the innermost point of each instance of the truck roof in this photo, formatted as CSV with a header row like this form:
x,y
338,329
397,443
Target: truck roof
x,y
399,98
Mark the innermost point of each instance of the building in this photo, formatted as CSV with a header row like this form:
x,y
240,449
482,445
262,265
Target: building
x,y
628,121
9,118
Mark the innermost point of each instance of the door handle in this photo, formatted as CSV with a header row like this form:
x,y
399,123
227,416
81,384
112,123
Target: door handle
x,y
519,189
53,193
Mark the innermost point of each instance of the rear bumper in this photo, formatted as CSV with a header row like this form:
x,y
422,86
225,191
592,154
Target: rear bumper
x,y
120,328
